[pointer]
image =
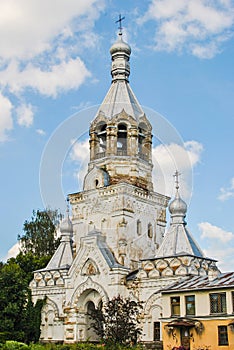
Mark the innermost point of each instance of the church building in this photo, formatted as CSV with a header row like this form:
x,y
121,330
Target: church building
x,y
115,241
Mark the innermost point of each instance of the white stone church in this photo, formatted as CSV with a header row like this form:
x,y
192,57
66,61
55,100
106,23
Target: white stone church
x,y
115,241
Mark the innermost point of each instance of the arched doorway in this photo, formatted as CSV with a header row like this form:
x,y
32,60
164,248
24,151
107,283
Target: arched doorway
x,y
90,333
88,296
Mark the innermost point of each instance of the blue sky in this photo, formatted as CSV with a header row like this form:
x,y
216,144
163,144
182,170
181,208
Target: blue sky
x,y
55,71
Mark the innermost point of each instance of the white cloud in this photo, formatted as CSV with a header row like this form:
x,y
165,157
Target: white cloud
x,y
6,122
28,27
214,232
198,26
228,192
80,154
169,158
80,150
220,245
25,115
40,50
40,132
62,77
12,252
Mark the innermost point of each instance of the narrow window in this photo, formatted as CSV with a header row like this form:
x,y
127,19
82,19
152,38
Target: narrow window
x,y
218,303
233,302
122,140
150,230
141,139
190,305
139,227
102,140
175,306
156,331
142,149
223,335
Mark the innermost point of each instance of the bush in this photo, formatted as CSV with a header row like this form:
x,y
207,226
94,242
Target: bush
x,y
14,345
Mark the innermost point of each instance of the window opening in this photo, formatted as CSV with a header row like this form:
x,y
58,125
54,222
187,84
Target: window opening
x,y
156,331
222,335
150,230
218,303
102,139
141,137
233,302
175,306
139,227
122,140
190,304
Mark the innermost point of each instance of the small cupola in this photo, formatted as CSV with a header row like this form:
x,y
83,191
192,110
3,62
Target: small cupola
x,y
177,207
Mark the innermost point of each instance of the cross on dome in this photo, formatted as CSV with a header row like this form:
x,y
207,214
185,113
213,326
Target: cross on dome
x,y
176,175
120,23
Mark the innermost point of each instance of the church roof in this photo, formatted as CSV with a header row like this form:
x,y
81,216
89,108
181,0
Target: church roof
x,y
63,256
103,247
222,280
120,95
178,240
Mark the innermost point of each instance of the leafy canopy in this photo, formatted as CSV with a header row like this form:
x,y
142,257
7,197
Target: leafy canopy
x,y
20,319
118,321
39,233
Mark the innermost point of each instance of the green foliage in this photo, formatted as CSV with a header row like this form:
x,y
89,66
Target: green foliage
x,y
118,321
13,345
39,233
20,319
13,292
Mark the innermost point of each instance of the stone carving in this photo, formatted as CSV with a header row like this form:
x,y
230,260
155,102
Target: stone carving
x,y
89,268
162,215
88,284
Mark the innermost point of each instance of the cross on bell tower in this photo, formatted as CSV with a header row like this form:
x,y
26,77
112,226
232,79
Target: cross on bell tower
x,y
120,23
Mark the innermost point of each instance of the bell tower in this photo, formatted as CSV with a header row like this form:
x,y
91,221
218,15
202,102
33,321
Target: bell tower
x,y
120,134
118,201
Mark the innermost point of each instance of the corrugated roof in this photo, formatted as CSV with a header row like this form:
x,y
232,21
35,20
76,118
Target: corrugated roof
x,y
223,280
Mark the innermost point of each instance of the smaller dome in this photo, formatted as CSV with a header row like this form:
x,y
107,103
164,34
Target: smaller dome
x,y
120,46
66,226
178,206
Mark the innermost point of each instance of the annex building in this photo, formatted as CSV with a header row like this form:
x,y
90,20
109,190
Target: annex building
x,y
115,241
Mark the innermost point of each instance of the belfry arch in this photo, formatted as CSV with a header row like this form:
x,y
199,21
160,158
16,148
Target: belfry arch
x,y
122,139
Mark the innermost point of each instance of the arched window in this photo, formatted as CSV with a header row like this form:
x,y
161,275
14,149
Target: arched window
x,y
102,139
139,227
122,140
150,230
141,140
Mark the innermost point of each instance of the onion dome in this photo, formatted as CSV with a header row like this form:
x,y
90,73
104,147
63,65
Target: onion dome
x,y
177,206
66,225
120,54
120,46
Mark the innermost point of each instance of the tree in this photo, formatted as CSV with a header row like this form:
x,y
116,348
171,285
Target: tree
x,y
39,234
20,319
13,297
118,321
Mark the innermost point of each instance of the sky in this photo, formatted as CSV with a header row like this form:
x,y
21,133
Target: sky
x,y
55,72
